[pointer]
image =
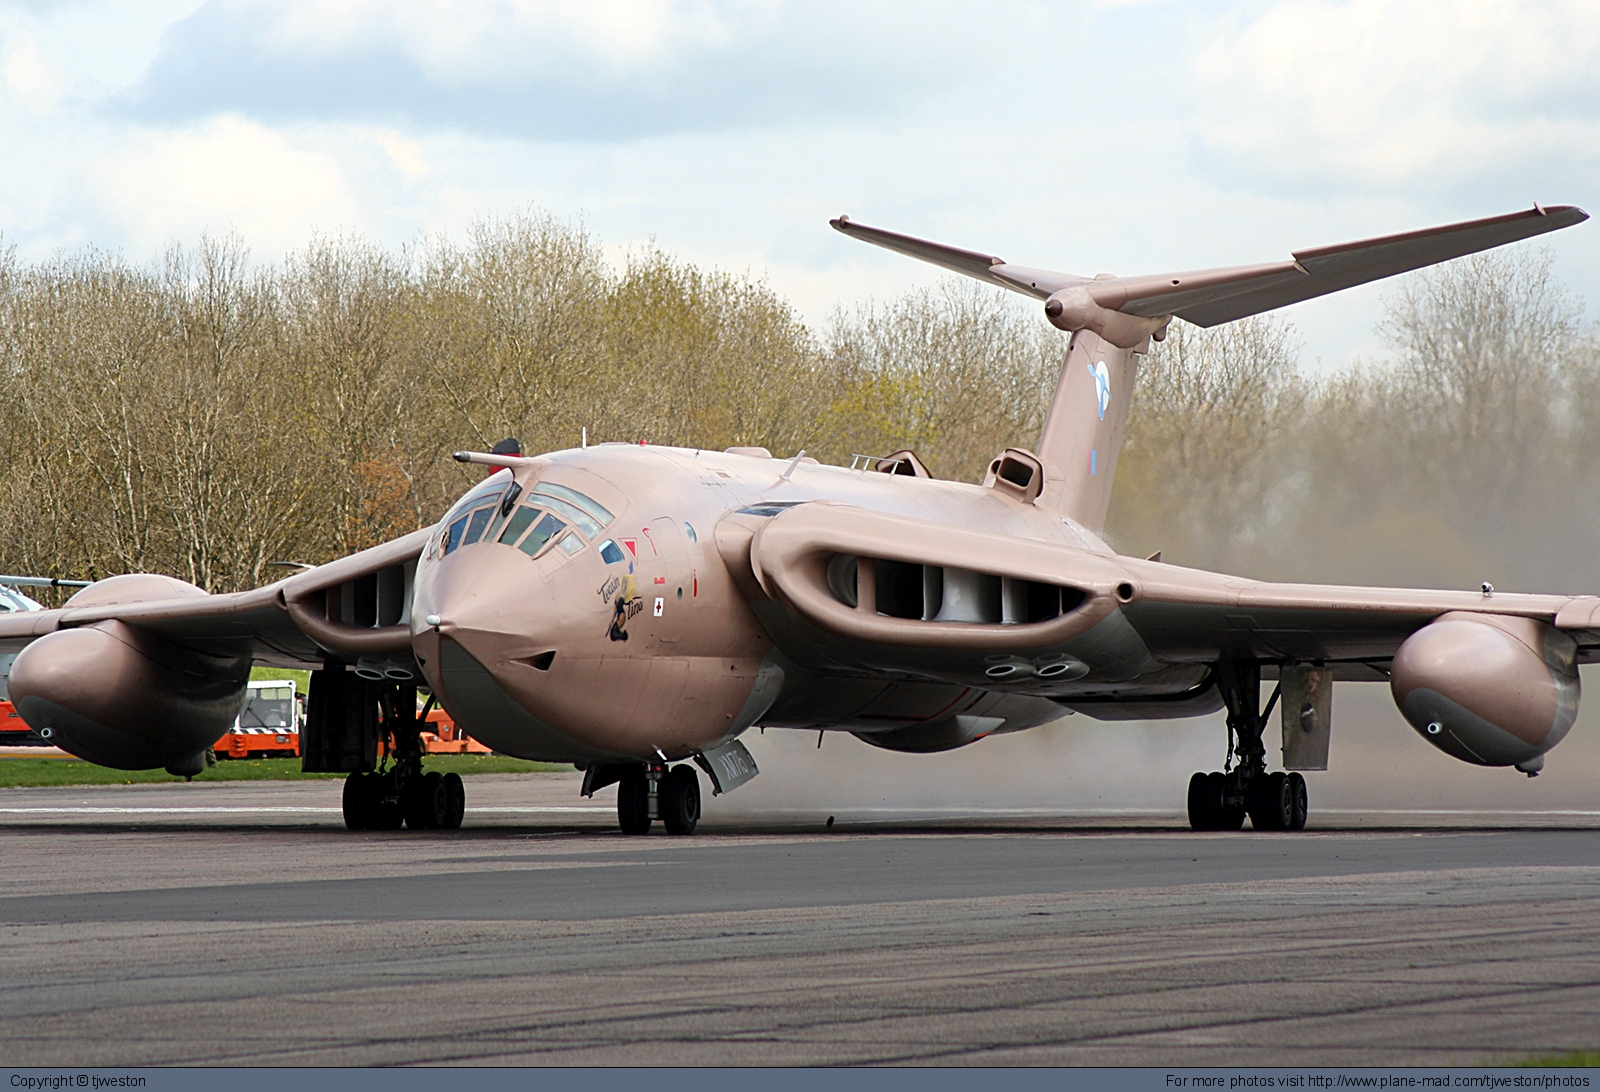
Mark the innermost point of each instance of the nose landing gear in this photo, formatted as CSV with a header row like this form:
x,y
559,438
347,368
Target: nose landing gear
x,y
647,792
679,800
1220,801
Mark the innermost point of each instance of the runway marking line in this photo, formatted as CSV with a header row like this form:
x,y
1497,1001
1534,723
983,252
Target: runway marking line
x,y
260,810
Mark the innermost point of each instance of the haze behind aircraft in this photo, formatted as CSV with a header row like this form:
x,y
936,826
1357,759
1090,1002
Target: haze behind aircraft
x,y
628,608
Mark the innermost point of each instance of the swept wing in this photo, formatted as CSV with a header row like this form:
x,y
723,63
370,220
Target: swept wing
x,y
351,606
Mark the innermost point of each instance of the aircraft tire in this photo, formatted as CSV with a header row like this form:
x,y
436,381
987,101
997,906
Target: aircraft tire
x,y
426,805
387,814
357,808
633,802
1271,806
1202,812
680,800
1297,794
455,791
1228,817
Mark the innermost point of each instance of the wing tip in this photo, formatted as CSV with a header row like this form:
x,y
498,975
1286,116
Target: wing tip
x,y
1568,214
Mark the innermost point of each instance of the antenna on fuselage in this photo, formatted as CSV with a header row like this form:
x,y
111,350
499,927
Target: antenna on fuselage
x,y
584,442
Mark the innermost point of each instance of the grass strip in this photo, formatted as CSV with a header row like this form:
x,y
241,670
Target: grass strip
x,y
36,772
1583,1059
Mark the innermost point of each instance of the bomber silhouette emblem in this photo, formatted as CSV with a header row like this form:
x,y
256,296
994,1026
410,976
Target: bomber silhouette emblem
x,y
1102,386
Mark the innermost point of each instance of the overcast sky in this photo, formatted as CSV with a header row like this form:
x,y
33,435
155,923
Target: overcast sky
x,y
1132,137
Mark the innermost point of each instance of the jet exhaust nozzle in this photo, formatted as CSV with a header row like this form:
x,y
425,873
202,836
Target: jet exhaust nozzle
x,y
393,668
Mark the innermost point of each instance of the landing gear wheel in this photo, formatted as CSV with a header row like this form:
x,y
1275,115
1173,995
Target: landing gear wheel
x,y
1297,795
456,794
358,801
680,800
1271,803
1204,804
1229,816
426,805
633,802
386,813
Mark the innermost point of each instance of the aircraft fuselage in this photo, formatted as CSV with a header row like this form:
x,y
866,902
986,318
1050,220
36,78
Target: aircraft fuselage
x,y
650,644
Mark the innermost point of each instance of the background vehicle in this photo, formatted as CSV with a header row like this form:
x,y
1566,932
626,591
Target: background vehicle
x,y
268,726
14,731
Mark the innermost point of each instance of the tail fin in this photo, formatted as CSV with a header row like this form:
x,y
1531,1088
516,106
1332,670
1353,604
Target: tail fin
x,y
1083,431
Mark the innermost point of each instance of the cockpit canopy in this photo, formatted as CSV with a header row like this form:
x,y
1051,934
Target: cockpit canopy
x,y
552,514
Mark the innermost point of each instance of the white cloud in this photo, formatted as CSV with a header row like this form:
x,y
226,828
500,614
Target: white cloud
x,y
406,154
603,71
224,174
454,39
1388,93
27,73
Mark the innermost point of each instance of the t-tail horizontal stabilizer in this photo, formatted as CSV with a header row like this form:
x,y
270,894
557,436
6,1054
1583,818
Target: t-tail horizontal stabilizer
x,y
1106,304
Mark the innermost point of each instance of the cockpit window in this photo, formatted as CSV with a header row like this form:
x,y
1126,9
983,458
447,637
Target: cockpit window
x,y
547,529
611,553
768,508
518,524
570,544
481,495
452,538
596,511
480,520
578,517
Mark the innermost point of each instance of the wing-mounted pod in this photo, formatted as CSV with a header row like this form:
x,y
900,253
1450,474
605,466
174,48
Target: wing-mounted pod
x,y
122,697
144,671
892,580
1489,689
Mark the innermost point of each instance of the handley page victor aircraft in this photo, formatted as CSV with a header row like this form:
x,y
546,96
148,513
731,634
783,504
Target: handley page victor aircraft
x,y
625,607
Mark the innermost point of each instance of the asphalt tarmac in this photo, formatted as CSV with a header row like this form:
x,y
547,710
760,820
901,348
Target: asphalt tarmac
x,y
238,923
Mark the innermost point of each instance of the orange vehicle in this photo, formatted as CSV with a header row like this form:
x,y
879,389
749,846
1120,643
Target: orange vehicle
x,y
442,737
13,729
445,738
268,726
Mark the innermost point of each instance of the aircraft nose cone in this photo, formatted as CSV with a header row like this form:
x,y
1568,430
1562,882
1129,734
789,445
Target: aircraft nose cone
x,y
487,635
492,602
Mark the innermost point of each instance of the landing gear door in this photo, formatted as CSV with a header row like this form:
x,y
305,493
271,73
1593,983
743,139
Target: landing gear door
x,y
1307,708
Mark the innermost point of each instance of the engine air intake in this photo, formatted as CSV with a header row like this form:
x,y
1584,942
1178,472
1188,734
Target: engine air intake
x,y
935,593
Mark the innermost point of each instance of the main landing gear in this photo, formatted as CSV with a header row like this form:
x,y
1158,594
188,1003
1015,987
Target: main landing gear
x,y
1220,801
403,794
389,800
648,793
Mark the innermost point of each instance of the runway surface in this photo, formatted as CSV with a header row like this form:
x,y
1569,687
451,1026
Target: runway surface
x,y
240,924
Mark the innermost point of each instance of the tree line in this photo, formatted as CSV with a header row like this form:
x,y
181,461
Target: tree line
x,y
208,416
1465,456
